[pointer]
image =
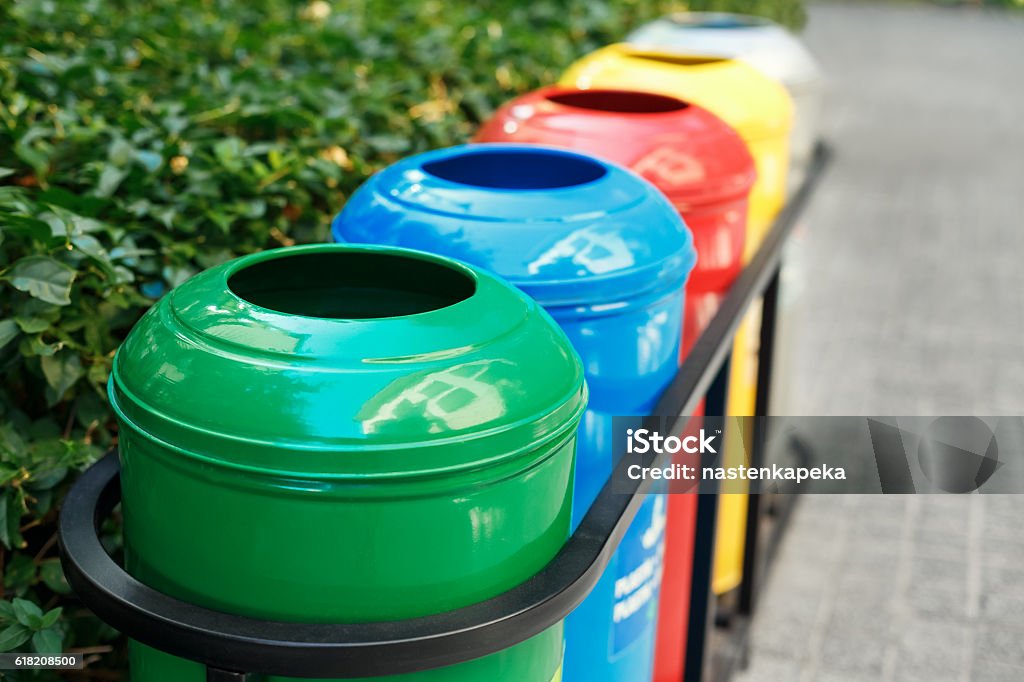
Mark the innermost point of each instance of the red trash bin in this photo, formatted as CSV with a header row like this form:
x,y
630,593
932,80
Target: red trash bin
x,y
705,170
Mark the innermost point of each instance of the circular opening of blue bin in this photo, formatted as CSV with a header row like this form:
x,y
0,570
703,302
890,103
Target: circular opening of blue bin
x,y
351,285
619,101
517,169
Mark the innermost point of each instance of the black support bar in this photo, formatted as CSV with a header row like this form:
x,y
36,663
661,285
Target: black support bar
x,y
759,442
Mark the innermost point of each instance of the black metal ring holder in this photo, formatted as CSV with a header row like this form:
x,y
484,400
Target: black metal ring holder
x,y
236,647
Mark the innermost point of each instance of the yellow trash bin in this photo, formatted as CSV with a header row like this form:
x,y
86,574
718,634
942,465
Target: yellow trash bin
x,y
761,111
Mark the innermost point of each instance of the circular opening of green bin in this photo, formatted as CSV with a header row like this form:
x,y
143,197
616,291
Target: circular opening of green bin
x,y
676,59
524,169
354,285
619,101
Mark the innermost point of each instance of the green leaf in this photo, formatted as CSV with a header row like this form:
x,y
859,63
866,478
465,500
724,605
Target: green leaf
x,y
120,152
33,228
4,172
8,332
36,346
49,641
52,576
111,178
35,154
11,441
51,617
46,478
34,316
33,325
229,151
20,572
393,144
5,536
93,248
27,613
149,160
62,371
14,636
42,277
7,611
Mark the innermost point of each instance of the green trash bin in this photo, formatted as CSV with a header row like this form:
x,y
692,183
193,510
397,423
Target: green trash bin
x,y
346,434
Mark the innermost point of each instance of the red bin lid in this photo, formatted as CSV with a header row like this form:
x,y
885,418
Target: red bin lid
x,y
690,154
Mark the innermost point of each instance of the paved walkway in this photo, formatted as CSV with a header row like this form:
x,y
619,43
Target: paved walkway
x,y
915,248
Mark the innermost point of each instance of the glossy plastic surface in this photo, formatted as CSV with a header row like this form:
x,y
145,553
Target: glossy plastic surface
x,y
608,257
763,44
346,434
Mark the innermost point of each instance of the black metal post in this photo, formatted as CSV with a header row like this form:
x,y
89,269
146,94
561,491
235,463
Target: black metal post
x,y
759,442
702,599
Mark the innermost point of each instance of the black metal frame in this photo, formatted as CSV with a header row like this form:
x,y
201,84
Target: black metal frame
x,y
235,647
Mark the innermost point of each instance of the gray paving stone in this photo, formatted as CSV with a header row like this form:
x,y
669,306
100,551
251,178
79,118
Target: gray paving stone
x,y
1006,506
1001,607
769,668
1006,551
983,670
909,671
841,676
853,650
929,536
998,643
940,547
938,573
997,578
947,522
925,601
863,588
783,636
874,560
931,650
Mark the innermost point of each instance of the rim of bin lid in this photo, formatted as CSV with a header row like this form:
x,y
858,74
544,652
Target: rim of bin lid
x,y
754,104
692,128
759,41
607,237
213,376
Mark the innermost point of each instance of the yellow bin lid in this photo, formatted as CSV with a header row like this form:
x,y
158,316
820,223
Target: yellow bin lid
x,y
756,106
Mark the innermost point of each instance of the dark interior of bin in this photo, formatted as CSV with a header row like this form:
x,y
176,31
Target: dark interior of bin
x,y
619,101
351,285
724,21
526,169
676,59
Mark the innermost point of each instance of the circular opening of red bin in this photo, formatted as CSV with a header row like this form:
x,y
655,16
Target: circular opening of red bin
x,y
522,169
618,101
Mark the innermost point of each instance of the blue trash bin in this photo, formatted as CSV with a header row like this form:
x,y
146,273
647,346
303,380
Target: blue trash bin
x,y
607,255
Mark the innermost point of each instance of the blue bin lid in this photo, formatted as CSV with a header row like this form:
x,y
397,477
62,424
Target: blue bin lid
x,y
567,228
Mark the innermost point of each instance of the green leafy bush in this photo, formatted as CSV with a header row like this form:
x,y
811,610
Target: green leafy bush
x,y
143,141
